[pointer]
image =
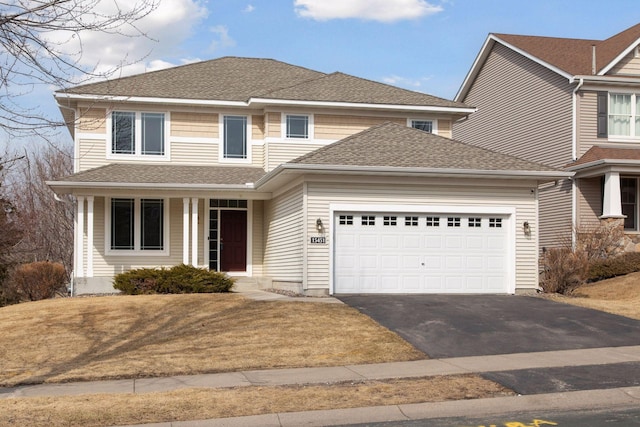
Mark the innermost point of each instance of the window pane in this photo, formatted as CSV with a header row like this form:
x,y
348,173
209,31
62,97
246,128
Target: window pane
x,y
151,224
153,133
297,127
235,137
620,115
637,115
425,125
122,224
123,132
628,196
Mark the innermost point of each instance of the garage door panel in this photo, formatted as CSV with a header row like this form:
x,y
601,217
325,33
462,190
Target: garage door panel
x,y
417,253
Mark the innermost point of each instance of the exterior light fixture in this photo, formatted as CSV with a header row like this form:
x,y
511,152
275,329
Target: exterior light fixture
x,y
526,228
319,225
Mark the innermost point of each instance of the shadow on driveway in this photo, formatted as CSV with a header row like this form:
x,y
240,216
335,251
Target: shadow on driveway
x,y
475,325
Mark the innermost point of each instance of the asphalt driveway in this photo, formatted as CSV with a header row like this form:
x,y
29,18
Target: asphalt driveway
x,y
474,325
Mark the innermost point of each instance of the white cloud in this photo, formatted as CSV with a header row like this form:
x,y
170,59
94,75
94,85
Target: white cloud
x,y
374,10
166,28
249,8
221,39
406,82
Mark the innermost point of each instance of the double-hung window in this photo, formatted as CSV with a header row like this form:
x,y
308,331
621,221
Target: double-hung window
x,y
138,133
629,199
424,125
235,137
297,126
624,115
137,224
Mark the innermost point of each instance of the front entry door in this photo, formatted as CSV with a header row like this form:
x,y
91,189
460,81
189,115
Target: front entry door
x,y
233,240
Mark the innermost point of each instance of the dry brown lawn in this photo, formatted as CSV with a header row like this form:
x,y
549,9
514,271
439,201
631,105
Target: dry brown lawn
x,y
97,338
618,295
193,404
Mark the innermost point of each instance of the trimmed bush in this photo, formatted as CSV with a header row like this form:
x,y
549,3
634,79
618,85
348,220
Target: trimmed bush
x,y
181,279
38,280
615,266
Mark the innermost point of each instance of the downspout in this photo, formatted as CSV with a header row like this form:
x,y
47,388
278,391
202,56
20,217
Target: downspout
x,y
574,156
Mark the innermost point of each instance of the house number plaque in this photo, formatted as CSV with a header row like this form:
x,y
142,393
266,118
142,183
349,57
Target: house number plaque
x,y
318,240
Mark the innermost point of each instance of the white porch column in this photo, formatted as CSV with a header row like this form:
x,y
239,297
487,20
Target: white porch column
x,y
79,267
194,231
612,204
90,236
185,230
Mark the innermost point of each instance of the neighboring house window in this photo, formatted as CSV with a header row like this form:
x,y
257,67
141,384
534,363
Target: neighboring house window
x,y
624,115
629,198
137,224
297,126
425,125
137,133
235,137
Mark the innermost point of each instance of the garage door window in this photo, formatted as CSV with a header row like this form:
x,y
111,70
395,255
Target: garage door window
x,y
453,221
368,220
433,221
346,219
390,220
475,222
495,222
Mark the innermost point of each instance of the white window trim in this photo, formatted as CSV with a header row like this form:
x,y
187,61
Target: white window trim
x,y
138,138
283,127
249,142
634,115
137,252
434,123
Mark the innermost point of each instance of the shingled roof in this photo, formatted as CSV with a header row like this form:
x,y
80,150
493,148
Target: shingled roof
x,y
394,145
598,154
241,79
575,56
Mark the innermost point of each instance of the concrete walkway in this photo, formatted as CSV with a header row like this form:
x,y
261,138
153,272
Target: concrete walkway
x,y
618,397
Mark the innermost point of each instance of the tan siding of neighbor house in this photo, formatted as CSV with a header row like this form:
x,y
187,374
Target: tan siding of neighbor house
x,y
92,120
434,192
587,121
335,127
628,66
445,129
194,125
283,236
555,213
589,201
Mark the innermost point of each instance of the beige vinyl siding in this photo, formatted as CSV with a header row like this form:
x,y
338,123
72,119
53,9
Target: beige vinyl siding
x,y
92,153
283,237
434,192
589,201
109,265
194,125
92,120
444,128
273,125
286,151
257,155
257,249
587,122
628,66
524,110
555,213
257,127
189,153
335,127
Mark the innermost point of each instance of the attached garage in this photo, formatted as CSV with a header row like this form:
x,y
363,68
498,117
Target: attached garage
x,y
438,251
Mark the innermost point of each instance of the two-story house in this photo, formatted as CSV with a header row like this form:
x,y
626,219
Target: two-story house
x,y
567,103
295,179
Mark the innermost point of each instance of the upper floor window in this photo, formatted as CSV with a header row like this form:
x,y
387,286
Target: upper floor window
x,y
624,115
137,133
235,137
297,126
425,125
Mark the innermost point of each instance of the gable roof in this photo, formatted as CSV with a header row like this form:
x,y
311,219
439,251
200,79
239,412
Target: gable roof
x,y
248,81
396,146
566,56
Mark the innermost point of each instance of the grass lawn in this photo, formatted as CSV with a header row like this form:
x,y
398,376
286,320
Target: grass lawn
x,y
618,295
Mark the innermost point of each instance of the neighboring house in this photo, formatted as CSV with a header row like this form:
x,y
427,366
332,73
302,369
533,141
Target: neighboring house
x,y
564,102
295,179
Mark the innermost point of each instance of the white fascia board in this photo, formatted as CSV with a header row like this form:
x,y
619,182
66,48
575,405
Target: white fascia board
x,y
609,80
149,100
149,186
618,58
335,104
400,171
604,162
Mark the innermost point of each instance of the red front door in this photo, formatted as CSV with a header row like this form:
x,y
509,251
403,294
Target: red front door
x,y
233,240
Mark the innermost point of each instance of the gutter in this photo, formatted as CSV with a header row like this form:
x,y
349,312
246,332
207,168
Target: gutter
x,y
574,155
150,186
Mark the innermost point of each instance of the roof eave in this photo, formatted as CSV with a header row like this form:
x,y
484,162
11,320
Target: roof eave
x,y
147,100
68,186
613,80
602,162
338,104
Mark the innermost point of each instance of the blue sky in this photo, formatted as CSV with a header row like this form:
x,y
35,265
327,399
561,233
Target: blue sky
x,y
421,45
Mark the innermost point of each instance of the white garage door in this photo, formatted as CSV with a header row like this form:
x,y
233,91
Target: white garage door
x,y
420,253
